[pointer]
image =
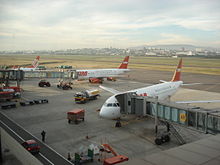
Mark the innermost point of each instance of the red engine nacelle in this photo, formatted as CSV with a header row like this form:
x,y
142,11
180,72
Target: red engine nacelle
x,y
95,80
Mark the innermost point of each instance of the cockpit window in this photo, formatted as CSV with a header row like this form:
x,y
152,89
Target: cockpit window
x,y
109,105
114,105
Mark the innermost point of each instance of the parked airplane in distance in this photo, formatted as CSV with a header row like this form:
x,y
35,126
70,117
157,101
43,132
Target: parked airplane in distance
x,y
97,75
32,67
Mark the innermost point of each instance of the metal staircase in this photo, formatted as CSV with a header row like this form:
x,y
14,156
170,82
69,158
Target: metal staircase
x,y
173,130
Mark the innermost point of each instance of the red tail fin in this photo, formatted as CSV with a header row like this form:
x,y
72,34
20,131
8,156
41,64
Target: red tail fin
x,y
35,63
124,64
177,73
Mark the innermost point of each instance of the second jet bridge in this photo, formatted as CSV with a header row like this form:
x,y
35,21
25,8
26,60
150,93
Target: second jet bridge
x,y
204,120
51,74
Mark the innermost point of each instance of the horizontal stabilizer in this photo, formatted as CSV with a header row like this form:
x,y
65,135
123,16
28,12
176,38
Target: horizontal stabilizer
x,y
111,90
198,101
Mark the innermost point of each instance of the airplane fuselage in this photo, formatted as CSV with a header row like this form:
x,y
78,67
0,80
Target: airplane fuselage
x,y
111,108
28,69
99,73
162,91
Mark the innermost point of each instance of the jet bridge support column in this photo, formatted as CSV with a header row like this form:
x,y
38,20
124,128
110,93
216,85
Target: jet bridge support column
x,y
156,118
125,101
144,107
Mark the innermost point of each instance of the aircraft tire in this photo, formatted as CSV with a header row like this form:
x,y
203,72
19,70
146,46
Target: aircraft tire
x,y
158,141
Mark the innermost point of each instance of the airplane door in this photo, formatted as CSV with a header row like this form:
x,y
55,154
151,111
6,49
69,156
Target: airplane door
x,y
74,74
121,100
125,101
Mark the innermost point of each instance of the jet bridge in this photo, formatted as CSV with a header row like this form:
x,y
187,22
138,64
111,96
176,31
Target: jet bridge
x,y
51,74
207,121
11,75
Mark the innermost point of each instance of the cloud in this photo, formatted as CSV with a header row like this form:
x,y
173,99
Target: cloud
x,y
170,38
77,23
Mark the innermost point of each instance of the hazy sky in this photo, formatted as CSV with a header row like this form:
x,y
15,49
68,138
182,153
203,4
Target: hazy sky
x,y
63,24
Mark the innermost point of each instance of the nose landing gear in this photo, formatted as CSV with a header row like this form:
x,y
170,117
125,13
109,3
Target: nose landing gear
x,y
118,123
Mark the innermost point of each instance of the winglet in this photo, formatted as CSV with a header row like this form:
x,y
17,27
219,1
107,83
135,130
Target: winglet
x,y
177,73
124,64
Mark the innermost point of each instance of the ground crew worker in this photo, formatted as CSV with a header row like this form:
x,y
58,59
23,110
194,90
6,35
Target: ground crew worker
x,y
43,134
69,157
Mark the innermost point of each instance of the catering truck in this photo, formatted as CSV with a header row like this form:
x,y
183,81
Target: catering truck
x,y
84,96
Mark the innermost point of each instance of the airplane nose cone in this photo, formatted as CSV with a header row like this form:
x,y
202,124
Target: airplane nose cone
x,y
103,113
109,113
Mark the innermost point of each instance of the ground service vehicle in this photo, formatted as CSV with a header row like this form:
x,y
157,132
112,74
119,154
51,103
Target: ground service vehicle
x,y
8,93
64,85
115,159
8,105
43,83
32,102
81,158
76,115
84,96
32,146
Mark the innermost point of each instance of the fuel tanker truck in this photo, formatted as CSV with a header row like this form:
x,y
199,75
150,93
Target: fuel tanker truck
x,y
87,95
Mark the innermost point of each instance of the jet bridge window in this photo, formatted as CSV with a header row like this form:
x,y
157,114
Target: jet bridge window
x,y
129,103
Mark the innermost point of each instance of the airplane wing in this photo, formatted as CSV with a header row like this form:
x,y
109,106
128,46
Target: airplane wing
x,y
200,84
111,90
163,81
199,101
192,84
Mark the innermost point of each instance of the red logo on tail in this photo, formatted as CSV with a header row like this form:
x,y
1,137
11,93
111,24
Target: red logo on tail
x,y
124,64
35,62
177,73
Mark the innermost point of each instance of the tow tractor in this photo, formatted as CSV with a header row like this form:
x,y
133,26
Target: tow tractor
x,y
64,85
43,83
111,78
84,96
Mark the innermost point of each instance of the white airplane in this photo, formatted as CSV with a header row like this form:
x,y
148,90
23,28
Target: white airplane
x,y
32,67
111,107
97,75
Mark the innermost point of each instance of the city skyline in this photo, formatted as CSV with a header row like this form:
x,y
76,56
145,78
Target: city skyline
x,y
26,25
